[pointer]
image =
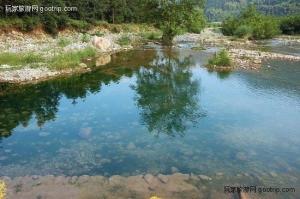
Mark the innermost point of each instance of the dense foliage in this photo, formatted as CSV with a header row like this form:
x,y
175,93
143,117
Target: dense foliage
x,y
251,24
218,10
290,25
179,16
220,59
172,16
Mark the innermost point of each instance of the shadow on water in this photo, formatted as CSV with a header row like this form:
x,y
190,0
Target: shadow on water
x,y
167,95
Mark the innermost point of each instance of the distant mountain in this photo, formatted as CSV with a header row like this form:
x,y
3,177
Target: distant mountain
x,y
217,10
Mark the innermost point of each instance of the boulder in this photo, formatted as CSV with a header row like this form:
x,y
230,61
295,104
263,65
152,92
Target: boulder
x,y
103,60
102,43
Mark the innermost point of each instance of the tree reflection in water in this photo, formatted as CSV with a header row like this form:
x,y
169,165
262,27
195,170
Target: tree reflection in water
x,y
19,104
167,95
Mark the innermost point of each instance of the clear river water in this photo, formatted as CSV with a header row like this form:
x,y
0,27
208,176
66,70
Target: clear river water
x,y
155,110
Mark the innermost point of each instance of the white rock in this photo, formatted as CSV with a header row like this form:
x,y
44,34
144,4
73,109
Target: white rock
x,y
101,43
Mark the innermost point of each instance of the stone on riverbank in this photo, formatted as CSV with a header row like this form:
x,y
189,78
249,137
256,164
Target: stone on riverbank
x,y
102,43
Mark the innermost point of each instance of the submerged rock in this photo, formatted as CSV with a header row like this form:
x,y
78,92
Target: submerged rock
x,y
131,146
204,177
163,178
174,170
85,132
43,134
103,60
149,178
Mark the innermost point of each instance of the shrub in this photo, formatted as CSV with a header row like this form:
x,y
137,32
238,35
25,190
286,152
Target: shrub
x,y
220,59
124,40
243,31
79,25
99,34
197,22
151,35
62,22
229,26
63,42
251,24
85,38
290,25
50,25
29,23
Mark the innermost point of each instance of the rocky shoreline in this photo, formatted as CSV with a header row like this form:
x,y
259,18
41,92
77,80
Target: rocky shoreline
x,y
175,186
252,59
45,46
241,52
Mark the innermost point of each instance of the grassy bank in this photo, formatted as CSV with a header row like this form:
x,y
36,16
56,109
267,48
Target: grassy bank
x,y
16,59
71,59
59,61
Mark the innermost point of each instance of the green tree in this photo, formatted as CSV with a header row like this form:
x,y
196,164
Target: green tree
x,y
252,24
177,16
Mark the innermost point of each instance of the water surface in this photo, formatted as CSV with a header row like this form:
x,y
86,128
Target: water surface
x,y
156,111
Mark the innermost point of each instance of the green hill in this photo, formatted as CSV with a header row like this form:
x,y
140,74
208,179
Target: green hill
x,y
217,10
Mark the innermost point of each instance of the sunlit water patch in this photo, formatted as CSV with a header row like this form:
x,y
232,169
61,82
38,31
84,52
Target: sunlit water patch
x,y
156,111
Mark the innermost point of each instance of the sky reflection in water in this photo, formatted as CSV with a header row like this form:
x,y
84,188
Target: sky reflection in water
x,y
155,111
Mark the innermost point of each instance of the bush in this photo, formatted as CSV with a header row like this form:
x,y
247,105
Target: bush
x,y
85,38
29,23
63,42
243,31
265,27
220,59
62,22
151,35
229,26
124,40
251,24
197,22
99,34
290,25
50,25
79,25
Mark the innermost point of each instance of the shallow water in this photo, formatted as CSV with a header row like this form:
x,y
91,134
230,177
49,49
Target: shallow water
x,y
280,46
156,111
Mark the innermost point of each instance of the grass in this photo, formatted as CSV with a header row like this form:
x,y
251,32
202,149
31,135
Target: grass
x,y
151,35
15,59
124,40
85,38
220,59
63,42
60,61
71,59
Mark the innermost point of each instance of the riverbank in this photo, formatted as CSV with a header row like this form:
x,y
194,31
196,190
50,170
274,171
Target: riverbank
x,y
173,186
36,56
245,54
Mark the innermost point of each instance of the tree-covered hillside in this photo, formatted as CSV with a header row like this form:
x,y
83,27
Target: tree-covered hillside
x,y
217,10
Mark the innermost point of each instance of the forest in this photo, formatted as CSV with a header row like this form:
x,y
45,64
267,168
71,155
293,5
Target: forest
x,y
171,16
218,10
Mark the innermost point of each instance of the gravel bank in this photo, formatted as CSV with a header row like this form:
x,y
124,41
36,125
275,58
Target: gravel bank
x,y
175,186
45,46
